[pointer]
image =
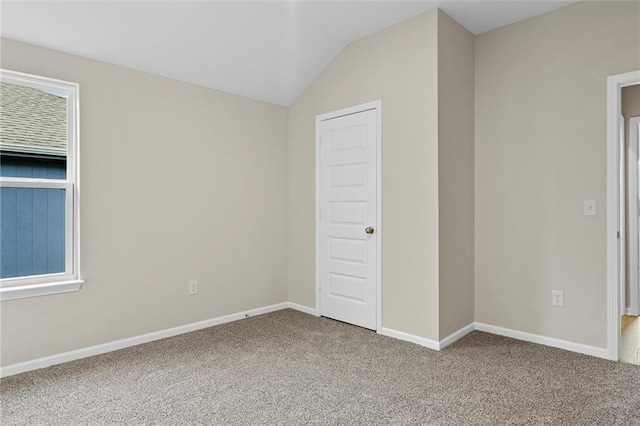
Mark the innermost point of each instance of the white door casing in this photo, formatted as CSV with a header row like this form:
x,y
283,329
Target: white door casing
x,y
615,83
348,232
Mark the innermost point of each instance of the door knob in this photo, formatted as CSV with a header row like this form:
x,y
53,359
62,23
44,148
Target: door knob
x,y
369,230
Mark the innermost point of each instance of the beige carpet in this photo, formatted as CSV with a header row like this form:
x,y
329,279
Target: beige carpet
x,y
291,368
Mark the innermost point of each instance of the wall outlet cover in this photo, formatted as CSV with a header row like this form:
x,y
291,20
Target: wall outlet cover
x,y
557,298
193,288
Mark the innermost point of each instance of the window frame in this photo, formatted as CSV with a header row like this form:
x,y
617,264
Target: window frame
x,y
69,280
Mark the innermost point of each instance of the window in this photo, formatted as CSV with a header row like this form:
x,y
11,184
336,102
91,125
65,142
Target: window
x,y
39,229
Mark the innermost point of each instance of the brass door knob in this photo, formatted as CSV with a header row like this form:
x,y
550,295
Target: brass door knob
x,y
369,230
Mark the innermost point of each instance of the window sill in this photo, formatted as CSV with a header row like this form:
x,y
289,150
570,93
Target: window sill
x,y
33,290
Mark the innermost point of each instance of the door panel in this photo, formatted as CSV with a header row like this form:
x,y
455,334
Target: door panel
x,y
347,196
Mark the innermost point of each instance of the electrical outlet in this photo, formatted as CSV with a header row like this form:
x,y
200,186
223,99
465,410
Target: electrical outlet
x,y
557,298
193,288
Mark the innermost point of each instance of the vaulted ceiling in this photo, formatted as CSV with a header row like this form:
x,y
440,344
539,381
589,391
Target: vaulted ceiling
x,y
263,50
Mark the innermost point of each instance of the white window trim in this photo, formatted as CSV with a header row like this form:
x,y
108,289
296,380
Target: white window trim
x,y
70,279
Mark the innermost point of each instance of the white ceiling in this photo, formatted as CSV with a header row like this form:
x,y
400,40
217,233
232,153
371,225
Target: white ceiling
x,y
264,50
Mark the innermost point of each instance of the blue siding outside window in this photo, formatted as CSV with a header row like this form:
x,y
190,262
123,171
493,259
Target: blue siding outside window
x,y
32,229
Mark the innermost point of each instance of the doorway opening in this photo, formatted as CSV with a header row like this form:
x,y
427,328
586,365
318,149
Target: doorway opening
x,y
623,181
630,294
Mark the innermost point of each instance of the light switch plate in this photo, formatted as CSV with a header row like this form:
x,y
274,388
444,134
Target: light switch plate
x,y
590,208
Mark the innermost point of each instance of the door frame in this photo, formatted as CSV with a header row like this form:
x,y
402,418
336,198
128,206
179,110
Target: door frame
x,y
615,209
377,106
632,212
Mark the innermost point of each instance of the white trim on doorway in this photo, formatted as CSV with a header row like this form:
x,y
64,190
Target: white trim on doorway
x,y
615,83
374,105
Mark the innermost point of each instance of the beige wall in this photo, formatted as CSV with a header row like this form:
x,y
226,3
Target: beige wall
x,y
181,182
540,151
455,174
631,101
178,183
630,108
399,66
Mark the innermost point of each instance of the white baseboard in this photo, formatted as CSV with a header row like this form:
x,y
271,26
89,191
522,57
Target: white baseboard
x,y
302,308
427,343
162,334
501,331
133,341
457,335
543,340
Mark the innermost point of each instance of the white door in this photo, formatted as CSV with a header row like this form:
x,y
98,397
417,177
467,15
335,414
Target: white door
x,y
347,218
